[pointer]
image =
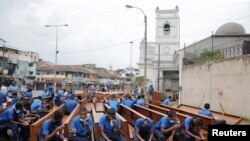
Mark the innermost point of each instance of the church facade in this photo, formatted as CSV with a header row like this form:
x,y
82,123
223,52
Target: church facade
x,y
161,69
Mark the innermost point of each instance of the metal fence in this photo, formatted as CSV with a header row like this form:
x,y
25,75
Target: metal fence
x,y
234,50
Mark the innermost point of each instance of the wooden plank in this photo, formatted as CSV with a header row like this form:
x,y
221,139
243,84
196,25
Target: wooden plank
x,y
35,128
96,118
206,120
70,118
124,124
99,107
230,119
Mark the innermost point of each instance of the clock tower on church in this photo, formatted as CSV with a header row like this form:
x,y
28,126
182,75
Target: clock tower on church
x,y
160,63
168,30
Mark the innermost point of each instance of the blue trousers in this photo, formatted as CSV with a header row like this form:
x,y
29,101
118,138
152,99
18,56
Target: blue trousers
x,y
162,137
55,138
78,138
113,137
144,137
189,138
14,129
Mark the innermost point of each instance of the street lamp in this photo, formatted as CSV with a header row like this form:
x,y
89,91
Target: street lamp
x,y
131,66
145,50
56,26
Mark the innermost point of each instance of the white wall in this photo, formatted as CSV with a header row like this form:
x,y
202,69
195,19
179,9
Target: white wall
x,y
226,82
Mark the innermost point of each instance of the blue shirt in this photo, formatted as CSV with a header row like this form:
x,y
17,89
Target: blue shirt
x,y
164,123
205,112
60,94
12,89
50,90
68,96
37,104
44,95
28,94
14,101
3,98
81,130
48,127
128,102
105,124
140,102
151,90
57,102
188,122
144,133
167,101
113,103
70,105
8,114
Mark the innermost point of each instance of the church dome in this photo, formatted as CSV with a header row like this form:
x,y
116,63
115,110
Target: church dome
x,y
231,29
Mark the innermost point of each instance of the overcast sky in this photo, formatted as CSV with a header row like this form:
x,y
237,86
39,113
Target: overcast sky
x,y
99,31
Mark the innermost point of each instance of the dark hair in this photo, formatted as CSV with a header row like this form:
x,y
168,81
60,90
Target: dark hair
x,y
19,105
14,94
199,121
207,106
171,113
111,111
142,96
58,115
84,109
29,90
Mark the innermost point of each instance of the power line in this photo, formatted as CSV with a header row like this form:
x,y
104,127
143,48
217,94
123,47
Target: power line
x,y
98,49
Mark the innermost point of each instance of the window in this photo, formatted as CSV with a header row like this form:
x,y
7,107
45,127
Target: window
x,y
166,29
31,73
30,64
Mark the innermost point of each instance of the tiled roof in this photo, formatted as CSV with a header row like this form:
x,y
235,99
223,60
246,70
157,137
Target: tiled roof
x,y
66,68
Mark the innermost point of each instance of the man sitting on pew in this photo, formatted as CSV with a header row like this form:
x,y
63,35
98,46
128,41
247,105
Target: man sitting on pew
x,y
50,128
140,100
167,101
113,103
14,99
110,125
40,107
144,129
10,119
191,129
3,98
127,101
81,127
207,112
70,104
166,128
57,101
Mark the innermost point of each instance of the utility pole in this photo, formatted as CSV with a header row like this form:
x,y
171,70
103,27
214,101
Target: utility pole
x,y
158,78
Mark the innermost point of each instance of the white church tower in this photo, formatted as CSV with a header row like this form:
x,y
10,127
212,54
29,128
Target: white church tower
x,y
167,38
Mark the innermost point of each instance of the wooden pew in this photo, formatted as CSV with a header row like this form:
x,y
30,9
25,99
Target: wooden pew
x,y
35,128
131,116
96,118
230,119
72,115
206,120
156,116
124,124
69,119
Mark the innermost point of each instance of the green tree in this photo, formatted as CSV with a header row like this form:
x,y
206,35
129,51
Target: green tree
x,y
206,56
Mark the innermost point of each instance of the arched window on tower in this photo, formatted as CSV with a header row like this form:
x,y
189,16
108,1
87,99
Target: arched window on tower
x,y
166,29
